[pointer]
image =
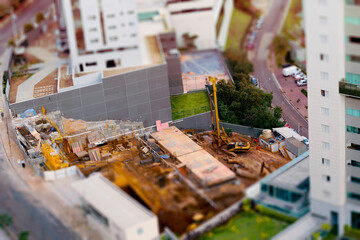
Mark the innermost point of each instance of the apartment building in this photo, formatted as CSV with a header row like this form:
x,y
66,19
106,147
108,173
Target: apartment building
x,y
333,67
102,34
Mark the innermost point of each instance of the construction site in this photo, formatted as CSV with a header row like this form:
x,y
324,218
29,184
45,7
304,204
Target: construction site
x,y
184,177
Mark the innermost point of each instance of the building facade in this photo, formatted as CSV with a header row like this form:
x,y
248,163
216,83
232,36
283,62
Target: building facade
x,y
333,67
102,34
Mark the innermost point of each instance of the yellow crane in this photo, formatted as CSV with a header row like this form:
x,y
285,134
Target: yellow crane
x,y
223,137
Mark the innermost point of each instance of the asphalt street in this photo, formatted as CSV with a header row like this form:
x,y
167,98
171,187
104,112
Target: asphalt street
x,y
22,18
267,82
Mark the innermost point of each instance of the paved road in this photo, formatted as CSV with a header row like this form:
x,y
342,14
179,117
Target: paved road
x,y
267,81
24,17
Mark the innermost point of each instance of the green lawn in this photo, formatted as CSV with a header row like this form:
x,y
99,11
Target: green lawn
x,y
247,225
238,25
189,104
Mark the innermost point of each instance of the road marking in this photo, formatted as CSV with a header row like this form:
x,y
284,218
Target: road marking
x,y
276,81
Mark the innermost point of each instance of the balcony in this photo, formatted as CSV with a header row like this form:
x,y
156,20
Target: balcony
x,y
349,89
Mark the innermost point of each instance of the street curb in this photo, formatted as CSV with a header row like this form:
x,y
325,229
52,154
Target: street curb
x,y
287,98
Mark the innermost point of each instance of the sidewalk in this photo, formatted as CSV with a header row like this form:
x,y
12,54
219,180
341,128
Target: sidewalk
x,y
290,89
301,229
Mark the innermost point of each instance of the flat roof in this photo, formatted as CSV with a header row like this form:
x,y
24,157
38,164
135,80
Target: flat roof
x,y
203,165
288,133
112,202
291,174
295,142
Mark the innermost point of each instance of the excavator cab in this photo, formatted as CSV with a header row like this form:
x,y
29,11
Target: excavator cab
x,y
238,146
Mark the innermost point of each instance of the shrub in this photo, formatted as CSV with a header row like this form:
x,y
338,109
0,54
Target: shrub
x,y
275,214
28,27
304,92
39,17
352,232
298,100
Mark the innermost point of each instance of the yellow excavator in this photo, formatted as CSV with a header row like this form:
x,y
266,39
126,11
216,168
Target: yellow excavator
x,y
222,137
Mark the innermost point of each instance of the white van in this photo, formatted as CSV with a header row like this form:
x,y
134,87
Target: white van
x,y
288,71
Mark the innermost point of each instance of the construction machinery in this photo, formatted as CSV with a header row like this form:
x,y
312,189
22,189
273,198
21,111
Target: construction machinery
x,y
222,137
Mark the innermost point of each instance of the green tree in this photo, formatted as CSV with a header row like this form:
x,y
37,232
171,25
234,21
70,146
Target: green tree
x,y
28,27
281,46
24,235
11,43
39,17
15,3
243,103
5,221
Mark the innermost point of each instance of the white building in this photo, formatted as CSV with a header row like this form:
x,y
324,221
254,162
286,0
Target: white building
x,y
114,213
333,66
102,34
208,19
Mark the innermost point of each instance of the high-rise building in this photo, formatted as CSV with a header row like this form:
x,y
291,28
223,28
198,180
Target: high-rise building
x,y
102,34
333,67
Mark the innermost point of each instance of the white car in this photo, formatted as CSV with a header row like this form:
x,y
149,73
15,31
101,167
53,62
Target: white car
x,y
301,82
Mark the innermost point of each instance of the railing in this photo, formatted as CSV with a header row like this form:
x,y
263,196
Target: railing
x,y
349,89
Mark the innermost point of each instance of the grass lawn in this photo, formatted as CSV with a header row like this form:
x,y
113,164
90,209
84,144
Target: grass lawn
x,y
238,25
247,225
189,104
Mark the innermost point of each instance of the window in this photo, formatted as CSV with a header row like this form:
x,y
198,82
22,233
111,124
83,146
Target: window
x,y
352,78
355,218
325,161
295,196
323,39
354,163
352,112
91,17
326,193
95,40
322,2
282,194
353,146
353,2
352,58
354,179
324,75
352,21
110,15
271,190
89,64
325,128
325,145
323,20
326,178
354,39
131,12
352,129
113,38
353,196
324,57
92,29
112,27
263,187
324,111
324,93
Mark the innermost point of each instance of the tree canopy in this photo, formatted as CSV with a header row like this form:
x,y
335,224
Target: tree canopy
x,y
243,103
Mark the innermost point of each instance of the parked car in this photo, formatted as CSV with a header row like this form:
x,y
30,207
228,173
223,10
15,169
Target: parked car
x,y
301,82
299,76
259,22
254,81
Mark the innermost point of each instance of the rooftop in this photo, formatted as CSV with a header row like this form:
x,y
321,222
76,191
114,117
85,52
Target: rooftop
x,y
203,165
288,132
292,174
112,202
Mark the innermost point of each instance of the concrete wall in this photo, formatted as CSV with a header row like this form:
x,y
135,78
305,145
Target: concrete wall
x,y
199,121
175,78
245,130
141,95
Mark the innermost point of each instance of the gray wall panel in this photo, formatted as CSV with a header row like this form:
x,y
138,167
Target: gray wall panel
x,y
116,104
69,103
160,104
159,93
157,82
95,109
157,71
113,81
139,109
73,113
91,89
116,92
92,98
68,94
134,88
136,76
138,98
